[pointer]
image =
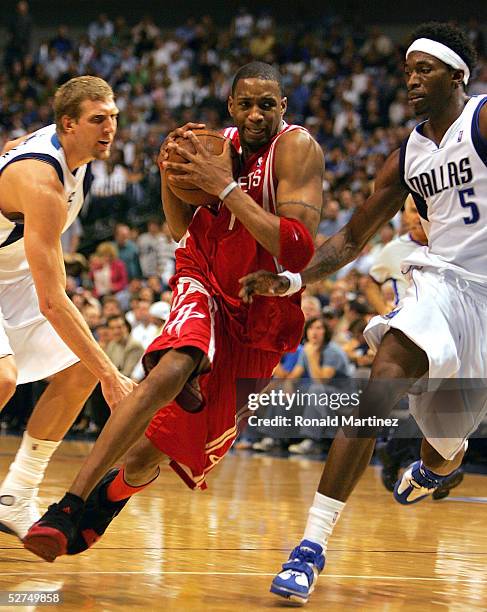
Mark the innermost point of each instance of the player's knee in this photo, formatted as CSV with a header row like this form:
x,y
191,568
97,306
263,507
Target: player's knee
x,y
186,361
8,382
387,370
173,370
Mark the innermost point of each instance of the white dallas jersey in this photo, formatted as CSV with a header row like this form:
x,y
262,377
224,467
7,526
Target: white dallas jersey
x,y
449,186
387,264
44,146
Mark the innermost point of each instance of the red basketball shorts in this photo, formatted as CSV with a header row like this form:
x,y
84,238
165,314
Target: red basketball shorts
x,y
195,443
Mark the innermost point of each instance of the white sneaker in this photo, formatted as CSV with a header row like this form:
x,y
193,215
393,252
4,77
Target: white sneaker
x,y
264,445
305,447
18,511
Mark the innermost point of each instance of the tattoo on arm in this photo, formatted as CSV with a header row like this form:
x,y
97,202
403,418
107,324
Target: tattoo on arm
x,y
316,209
331,256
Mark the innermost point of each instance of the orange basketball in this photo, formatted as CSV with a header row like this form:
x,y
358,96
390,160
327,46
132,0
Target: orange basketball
x,y
213,142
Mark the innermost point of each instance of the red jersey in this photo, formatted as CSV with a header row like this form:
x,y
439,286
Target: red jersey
x,y
217,250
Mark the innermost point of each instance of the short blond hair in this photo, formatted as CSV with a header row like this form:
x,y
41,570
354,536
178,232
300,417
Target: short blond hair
x,y
70,96
107,249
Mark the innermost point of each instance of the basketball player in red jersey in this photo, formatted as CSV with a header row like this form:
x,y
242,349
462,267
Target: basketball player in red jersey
x,y
265,219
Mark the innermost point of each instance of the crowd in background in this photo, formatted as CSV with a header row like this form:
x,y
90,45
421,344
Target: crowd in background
x,y
343,82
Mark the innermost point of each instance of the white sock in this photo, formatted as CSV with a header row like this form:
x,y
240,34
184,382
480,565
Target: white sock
x,y
322,517
29,466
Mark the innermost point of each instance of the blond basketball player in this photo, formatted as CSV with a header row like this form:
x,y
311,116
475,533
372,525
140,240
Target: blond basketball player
x,y
43,181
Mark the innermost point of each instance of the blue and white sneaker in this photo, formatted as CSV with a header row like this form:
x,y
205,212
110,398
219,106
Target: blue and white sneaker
x,y
417,483
299,574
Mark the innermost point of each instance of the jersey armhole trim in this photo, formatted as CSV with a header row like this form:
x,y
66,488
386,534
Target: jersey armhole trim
x,y
421,205
402,163
87,180
16,234
43,157
418,200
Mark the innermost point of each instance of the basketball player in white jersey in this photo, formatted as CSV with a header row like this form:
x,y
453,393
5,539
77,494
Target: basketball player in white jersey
x,y
440,328
44,178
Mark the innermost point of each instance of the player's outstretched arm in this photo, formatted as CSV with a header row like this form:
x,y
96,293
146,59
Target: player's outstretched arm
x,y
346,244
41,199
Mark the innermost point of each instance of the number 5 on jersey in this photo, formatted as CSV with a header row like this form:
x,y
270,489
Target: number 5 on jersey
x,y
474,209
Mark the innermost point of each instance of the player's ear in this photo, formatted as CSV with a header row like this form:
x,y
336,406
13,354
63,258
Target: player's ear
x,y
67,123
230,106
457,78
283,106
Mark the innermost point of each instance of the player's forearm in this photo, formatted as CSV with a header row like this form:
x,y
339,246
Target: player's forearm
x,y
178,215
264,226
374,297
332,255
345,245
71,327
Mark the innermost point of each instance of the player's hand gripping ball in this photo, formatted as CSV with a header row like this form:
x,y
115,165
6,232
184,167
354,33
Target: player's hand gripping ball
x,y
214,144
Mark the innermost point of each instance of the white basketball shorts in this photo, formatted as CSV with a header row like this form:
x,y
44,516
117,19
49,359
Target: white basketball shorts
x,y
27,335
446,316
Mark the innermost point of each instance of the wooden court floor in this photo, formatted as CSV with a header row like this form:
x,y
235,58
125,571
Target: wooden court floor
x,y
173,549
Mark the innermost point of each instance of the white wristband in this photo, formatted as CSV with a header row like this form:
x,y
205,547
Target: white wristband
x,y
295,282
224,192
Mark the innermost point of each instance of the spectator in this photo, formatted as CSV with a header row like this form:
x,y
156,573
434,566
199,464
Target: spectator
x,y
331,222
154,283
243,23
109,178
159,312
101,28
123,349
321,360
143,330
20,33
111,307
261,44
92,316
71,237
311,307
61,42
150,246
107,271
103,334
127,251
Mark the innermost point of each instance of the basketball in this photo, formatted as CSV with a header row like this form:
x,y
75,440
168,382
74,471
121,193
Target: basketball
x,y
190,194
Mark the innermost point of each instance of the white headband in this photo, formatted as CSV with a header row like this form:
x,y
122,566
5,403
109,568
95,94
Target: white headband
x,y
442,52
